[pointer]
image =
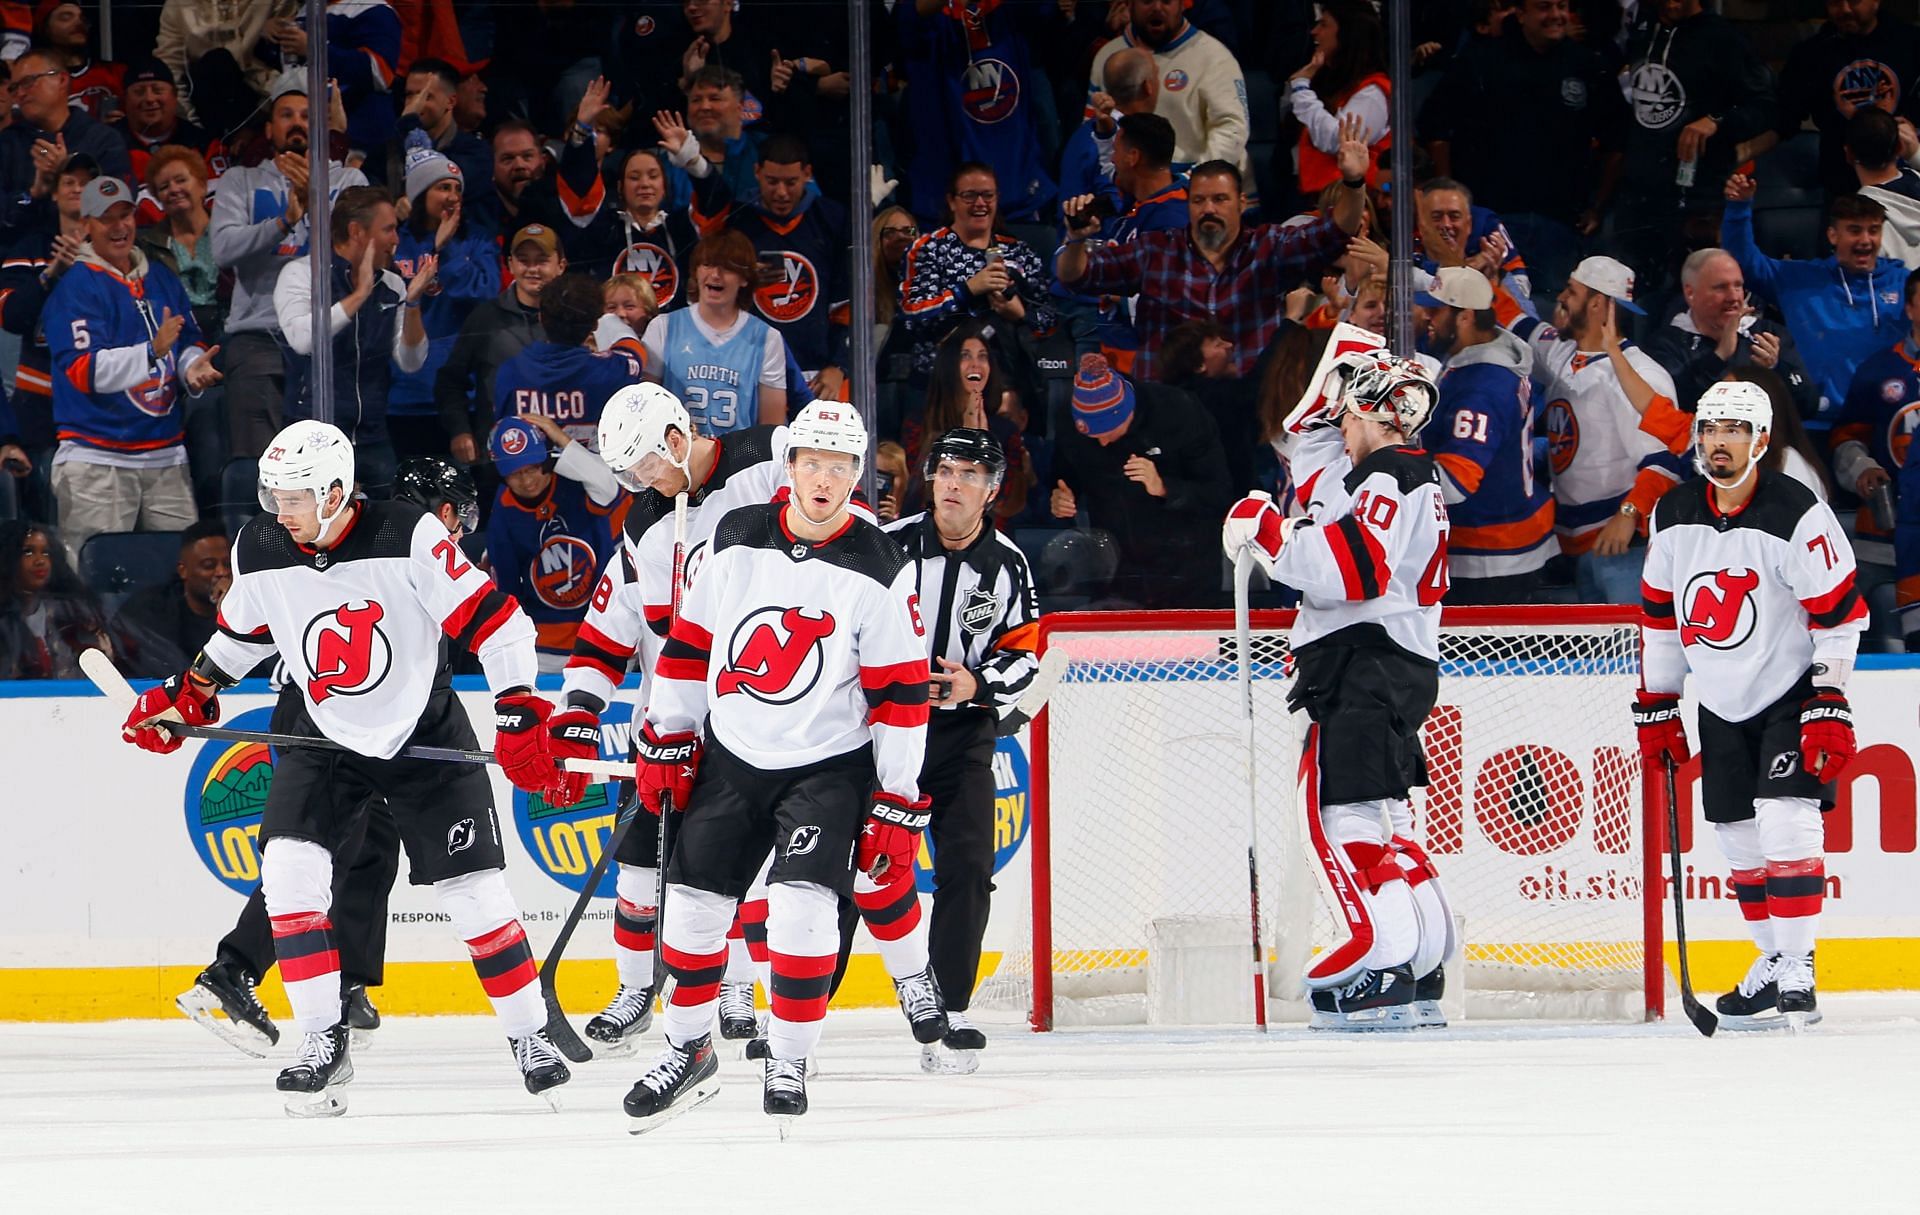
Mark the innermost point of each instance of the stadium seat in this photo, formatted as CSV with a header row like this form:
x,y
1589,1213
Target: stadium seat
x,y
115,562
239,493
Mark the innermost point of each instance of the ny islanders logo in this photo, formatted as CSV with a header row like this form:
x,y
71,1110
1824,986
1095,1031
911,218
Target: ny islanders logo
x,y
1865,83
656,265
793,294
1657,95
347,651
775,656
226,795
990,91
1563,434
562,572
1717,609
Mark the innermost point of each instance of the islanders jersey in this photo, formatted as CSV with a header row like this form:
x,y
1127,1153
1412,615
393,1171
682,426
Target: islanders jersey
x,y
807,300
717,378
109,394
1481,438
1876,423
569,384
548,553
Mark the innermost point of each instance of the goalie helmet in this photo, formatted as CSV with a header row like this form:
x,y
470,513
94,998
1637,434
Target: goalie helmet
x,y
1733,401
634,425
311,457
1389,389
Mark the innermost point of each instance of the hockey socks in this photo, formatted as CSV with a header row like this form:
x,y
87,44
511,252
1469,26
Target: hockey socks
x,y
1795,892
892,914
635,921
803,938
310,969
693,944
1750,888
504,962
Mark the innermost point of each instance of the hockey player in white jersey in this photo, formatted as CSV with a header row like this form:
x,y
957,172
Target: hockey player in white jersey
x,y
1749,584
355,596
800,646
1370,560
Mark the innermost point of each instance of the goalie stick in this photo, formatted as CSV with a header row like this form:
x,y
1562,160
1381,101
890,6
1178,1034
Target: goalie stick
x,y
1703,1019
1243,642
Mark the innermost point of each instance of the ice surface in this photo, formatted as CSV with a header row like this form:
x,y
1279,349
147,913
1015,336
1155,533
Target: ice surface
x,y
157,1117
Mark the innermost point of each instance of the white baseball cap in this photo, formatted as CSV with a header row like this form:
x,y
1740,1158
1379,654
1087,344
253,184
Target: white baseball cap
x,y
1457,287
1609,278
102,195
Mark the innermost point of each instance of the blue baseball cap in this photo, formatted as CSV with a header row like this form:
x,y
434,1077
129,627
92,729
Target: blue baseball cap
x,y
515,445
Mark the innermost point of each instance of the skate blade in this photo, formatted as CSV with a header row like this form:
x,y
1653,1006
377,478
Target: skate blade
x,y
783,1123
1753,1023
1368,1021
619,1048
362,1039
329,1102
551,1097
938,1060
1800,1022
1427,1015
206,1012
699,1095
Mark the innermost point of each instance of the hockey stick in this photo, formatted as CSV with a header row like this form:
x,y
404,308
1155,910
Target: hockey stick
x,y
114,686
1703,1020
1243,641
559,1029
664,841
1053,664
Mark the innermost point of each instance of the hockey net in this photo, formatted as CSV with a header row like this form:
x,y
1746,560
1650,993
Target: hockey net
x,y
1535,815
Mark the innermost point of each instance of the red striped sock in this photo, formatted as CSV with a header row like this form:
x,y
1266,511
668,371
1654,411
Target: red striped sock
x,y
309,967
504,961
1795,892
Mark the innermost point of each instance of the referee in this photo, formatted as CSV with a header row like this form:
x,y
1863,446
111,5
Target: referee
x,y
977,597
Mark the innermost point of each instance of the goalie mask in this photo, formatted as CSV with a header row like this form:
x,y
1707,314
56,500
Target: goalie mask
x,y
1733,401
1391,390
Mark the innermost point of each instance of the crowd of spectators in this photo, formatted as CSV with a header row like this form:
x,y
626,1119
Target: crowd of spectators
x,y
1120,234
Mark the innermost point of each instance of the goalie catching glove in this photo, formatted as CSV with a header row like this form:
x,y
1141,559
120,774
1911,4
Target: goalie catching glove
x,y
892,834
181,698
1662,734
668,763
1256,523
1826,735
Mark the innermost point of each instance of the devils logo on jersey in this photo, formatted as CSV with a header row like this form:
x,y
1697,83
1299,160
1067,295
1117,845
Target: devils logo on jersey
x,y
992,91
347,651
1718,609
563,572
793,294
774,655
1563,434
657,265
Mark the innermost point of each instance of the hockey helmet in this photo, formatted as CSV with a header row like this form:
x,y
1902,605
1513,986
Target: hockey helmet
x,y
828,426
1391,390
1733,401
516,444
430,482
634,424
311,457
971,444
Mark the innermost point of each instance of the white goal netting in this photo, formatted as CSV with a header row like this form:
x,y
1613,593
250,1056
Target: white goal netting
x,y
1141,813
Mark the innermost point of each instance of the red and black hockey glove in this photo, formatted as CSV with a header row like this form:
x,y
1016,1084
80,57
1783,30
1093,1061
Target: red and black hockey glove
x,y
1662,734
180,698
522,744
1254,521
571,734
668,763
892,835
1826,735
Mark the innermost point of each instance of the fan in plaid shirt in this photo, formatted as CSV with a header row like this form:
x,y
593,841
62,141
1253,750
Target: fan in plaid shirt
x,y
1215,270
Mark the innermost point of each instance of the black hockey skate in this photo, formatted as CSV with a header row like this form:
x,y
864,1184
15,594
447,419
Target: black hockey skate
x,y
680,1079
1427,991
758,1051
1798,1007
920,1000
1755,1003
736,1011
222,999
1375,1000
783,1093
362,1017
540,1066
629,1015
314,1083
958,1052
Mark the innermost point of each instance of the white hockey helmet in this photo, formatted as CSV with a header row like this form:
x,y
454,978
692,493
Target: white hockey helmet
x,y
1396,391
1733,401
310,456
829,426
634,425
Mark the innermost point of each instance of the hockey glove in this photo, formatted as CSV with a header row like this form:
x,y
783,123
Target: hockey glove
x,y
522,744
668,763
571,734
892,835
1826,735
1662,734
1254,521
178,699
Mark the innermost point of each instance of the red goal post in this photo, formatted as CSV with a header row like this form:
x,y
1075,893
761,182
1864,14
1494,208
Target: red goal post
x,y
1545,826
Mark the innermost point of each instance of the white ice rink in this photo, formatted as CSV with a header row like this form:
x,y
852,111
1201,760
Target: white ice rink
x,y
157,1117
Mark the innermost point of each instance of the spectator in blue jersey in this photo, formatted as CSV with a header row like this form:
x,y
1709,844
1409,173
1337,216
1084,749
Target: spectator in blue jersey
x,y
1452,231
124,345
1130,86
563,378
551,529
970,97
495,331
375,322
1840,308
727,365
717,118
363,54
467,273
1870,445
970,269
1481,438
427,122
1719,330
636,228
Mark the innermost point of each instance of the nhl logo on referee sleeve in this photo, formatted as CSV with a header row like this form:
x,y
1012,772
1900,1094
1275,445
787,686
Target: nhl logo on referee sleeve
x,y
978,609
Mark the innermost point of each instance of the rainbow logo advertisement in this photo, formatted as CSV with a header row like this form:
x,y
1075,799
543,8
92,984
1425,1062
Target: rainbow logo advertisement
x,y
565,842
226,795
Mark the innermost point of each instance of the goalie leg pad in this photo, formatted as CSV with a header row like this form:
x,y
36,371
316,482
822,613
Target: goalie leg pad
x,y
1364,887
1436,943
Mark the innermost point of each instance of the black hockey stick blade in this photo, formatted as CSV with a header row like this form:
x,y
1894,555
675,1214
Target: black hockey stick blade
x,y
1703,1018
559,1029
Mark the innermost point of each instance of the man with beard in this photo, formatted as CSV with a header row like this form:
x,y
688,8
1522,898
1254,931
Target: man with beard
x,y
151,120
259,225
1216,270
522,192
716,116
1860,59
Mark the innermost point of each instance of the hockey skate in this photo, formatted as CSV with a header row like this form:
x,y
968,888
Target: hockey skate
x,y
540,1066
920,1000
615,1027
1754,1004
222,999
315,1082
759,1052
1427,991
362,1017
680,1079
958,1052
1794,975
783,1095
736,1012
1376,1000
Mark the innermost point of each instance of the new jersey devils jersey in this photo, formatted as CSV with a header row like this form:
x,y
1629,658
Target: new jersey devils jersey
x,y
1377,550
1748,601
794,651
359,625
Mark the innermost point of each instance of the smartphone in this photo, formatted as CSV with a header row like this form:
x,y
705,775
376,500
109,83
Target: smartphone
x,y
883,483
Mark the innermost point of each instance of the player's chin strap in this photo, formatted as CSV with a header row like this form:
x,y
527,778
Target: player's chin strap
x,y
1753,462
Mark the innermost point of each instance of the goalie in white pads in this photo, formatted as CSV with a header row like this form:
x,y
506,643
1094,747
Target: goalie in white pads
x,y
1370,560
1749,584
